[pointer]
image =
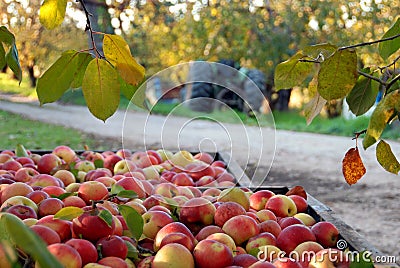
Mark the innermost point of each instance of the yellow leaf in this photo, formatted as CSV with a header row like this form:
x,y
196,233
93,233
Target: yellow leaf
x,y
386,158
352,166
52,13
101,88
117,51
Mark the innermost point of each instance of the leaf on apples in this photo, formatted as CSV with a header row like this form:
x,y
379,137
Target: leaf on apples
x,y
133,220
98,163
106,216
387,48
352,166
52,13
101,88
386,158
68,213
127,194
297,190
338,74
20,151
16,232
133,253
254,252
64,195
362,260
115,189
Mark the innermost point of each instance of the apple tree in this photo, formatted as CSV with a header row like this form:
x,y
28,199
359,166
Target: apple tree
x,y
334,73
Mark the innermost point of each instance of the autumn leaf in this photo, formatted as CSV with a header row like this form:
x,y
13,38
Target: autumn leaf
x,y
352,166
298,190
386,158
52,13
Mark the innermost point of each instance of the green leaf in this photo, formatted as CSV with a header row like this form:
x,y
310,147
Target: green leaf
x,y
62,74
363,95
387,48
292,72
83,61
2,56
314,107
27,240
136,94
127,194
98,163
324,50
106,216
362,260
65,195
6,37
117,51
133,253
100,87
12,61
386,158
21,151
52,13
338,74
68,213
381,116
115,189
133,220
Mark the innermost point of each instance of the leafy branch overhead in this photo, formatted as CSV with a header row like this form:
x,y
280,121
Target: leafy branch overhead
x,y
102,77
336,75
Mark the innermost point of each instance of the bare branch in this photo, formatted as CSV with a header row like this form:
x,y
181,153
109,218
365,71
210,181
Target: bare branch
x,y
370,43
372,77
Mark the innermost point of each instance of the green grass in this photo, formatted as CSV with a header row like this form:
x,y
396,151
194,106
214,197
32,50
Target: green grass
x,y
11,86
35,135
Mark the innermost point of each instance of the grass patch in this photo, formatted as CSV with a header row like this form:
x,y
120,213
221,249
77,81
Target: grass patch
x,y
10,86
35,135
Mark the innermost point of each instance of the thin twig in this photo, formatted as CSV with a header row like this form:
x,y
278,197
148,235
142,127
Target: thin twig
x,y
90,29
372,77
306,60
394,80
390,64
370,43
357,134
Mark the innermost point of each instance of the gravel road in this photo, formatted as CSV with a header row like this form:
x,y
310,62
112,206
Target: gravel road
x,y
271,157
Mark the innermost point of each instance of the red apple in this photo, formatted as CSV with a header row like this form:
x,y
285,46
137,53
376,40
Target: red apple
x,y
270,226
25,174
281,206
85,248
48,235
65,153
92,190
265,214
182,179
74,201
112,246
326,233
259,199
110,161
197,210
262,264
124,153
49,163
49,206
22,211
286,263
166,189
15,189
173,255
241,228
113,262
329,257
90,226
287,221
65,176
178,238
244,260
301,203
53,190
210,253
292,236
224,239
227,210
154,221
237,195
133,184
61,227
44,180
124,166
11,165
208,230
205,157
66,255
174,227
260,240
37,196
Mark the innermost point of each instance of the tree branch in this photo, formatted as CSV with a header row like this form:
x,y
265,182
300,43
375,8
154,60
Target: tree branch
x,y
371,77
394,80
90,29
370,43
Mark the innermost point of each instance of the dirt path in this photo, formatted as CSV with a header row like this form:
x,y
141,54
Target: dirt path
x,y
289,158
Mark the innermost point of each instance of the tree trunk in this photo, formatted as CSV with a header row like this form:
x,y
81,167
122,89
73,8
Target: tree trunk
x,y
32,77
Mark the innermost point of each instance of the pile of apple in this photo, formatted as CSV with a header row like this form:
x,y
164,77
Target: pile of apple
x,y
74,203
